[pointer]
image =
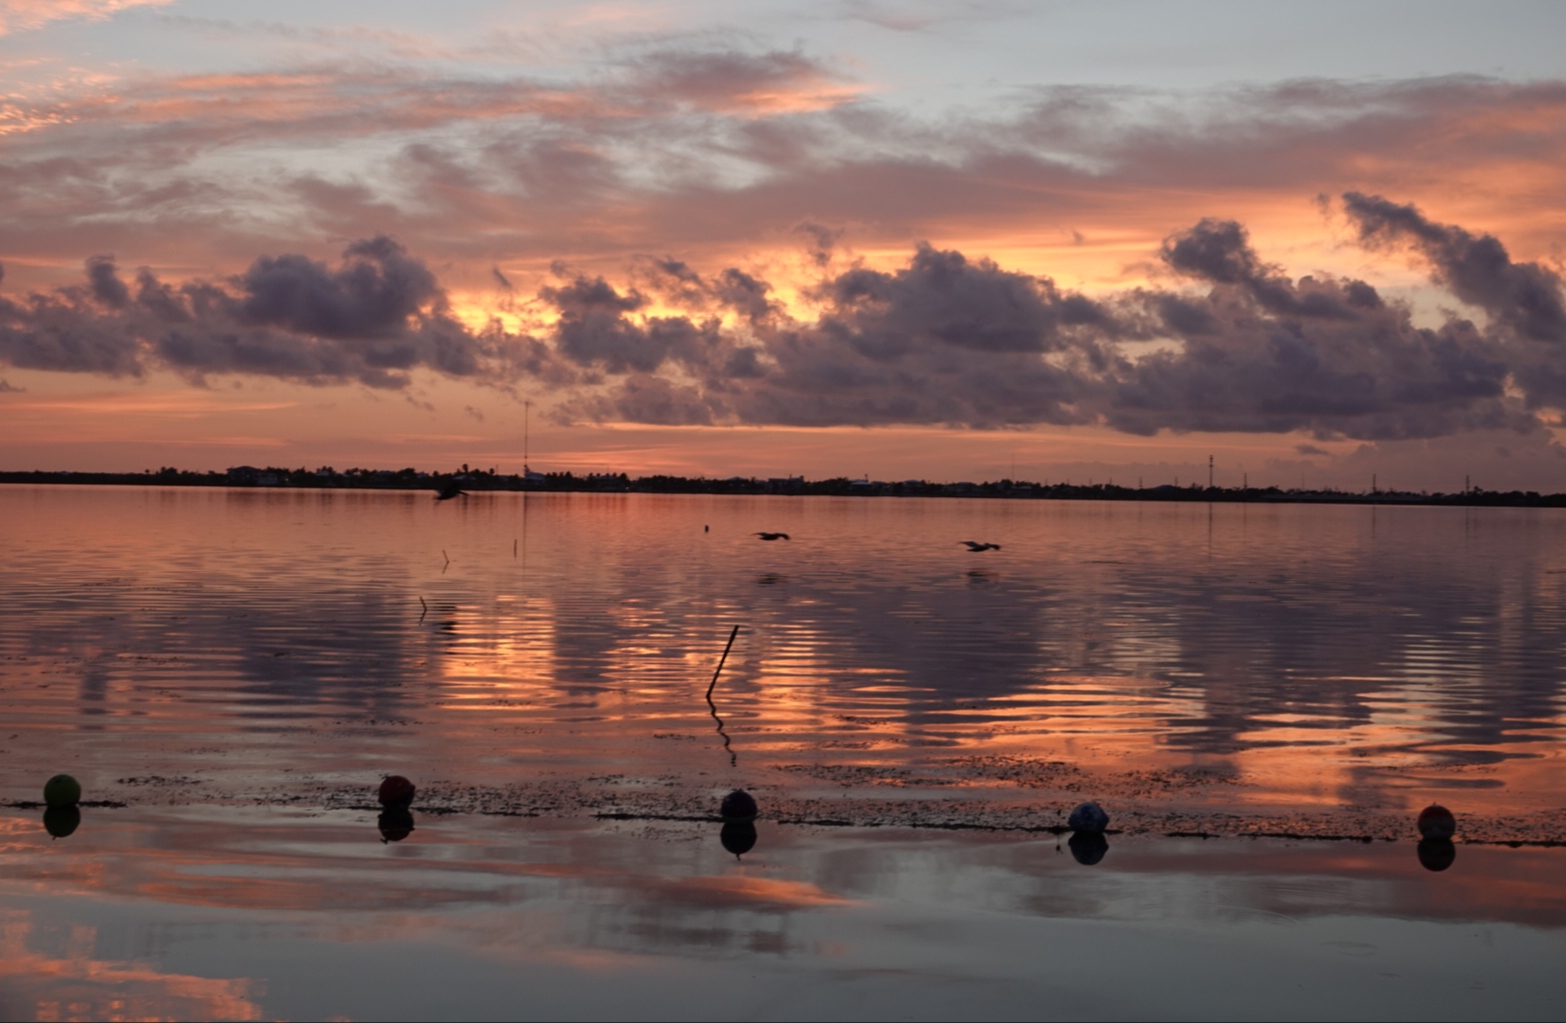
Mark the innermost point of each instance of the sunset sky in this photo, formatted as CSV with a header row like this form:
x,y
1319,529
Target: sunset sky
x,y
945,240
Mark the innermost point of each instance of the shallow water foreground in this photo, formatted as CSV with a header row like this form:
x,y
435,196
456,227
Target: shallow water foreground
x,y
231,673
258,913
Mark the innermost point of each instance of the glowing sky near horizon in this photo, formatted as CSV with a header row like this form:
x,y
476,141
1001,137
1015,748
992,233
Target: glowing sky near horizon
x,y
689,235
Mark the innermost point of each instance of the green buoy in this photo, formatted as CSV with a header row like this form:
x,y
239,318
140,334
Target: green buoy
x,y
62,790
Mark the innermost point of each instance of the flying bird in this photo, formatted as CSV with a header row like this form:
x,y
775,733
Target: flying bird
x,y
976,546
773,536
450,490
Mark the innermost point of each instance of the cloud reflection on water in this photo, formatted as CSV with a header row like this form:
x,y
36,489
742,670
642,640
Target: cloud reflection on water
x,y
1321,656
276,899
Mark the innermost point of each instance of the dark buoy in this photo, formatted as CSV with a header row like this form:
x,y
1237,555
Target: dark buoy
x,y
62,790
396,791
1436,821
738,806
1436,853
61,821
738,837
1088,847
396,823
1089,818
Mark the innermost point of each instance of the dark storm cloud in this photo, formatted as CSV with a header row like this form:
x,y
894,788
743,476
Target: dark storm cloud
x,y
595,330
731,289
1523,300
377,291
1525,297
65,332
1220,251
373,319
1262,352
944,339
107,288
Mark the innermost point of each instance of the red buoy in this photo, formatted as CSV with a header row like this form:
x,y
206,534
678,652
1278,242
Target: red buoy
x,y
1436,821
396,791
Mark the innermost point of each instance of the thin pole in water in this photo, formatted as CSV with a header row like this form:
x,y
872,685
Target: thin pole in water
x,y
722,659
713,707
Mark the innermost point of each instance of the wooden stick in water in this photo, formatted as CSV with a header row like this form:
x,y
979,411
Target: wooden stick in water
x,y
713,707
725,657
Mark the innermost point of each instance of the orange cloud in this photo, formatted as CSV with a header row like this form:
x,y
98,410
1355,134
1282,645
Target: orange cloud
x,y
26,15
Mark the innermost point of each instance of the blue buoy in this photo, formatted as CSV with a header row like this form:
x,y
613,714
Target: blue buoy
x,y
1089,818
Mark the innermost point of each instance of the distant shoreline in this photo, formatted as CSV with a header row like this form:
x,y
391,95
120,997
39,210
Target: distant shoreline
x,y
480,481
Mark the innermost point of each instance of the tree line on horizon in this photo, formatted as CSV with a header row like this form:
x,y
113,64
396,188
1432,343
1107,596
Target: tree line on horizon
x,y
480,480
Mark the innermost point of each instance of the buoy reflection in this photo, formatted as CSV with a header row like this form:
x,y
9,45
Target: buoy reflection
x,y
396,823
738,837
61,821
1436,853
1088,847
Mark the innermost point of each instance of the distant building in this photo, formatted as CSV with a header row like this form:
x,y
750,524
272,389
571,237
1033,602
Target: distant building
x,y
250,476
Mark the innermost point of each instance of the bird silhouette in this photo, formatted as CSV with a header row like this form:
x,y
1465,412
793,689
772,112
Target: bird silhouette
x,y
976,546
773,536
450,490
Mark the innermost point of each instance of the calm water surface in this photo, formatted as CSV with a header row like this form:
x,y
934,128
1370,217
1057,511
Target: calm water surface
x,y
241,667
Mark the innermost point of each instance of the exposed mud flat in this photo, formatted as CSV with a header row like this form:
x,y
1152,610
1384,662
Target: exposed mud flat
x,y
997,794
